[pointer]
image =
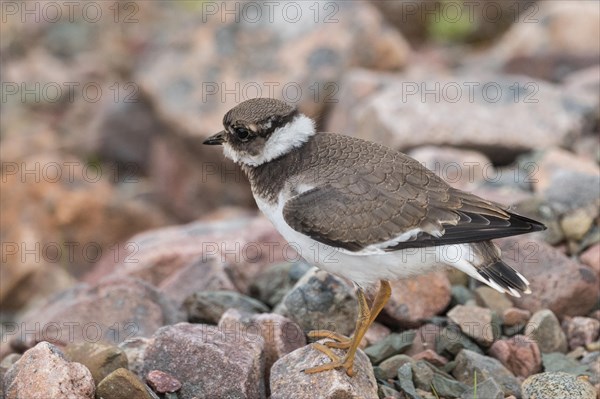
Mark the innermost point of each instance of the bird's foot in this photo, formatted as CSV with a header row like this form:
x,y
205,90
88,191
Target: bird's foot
x,y
339,341
336,362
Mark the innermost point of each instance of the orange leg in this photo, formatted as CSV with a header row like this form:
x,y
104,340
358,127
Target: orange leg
x,y
366,317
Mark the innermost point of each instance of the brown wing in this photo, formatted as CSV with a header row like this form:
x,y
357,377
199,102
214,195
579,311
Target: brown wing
x,y
376,203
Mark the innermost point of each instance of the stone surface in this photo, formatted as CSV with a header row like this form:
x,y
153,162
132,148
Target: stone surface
x,y
134,349
488,389
320,300
410,304
591,258
405,381
561,362
280,334
425,338
289,381
391,345
101,359
515,316
518,354
274,283
113,310
476,322
389,367
43,372
557,282
468,363
432,357
226,253
581,331
557,385
208,362
376,333
162,382
488,297
544,328
392,112
208,306
451,341
122,383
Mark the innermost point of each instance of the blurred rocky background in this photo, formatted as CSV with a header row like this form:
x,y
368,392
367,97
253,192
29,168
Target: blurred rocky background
x,y
134,262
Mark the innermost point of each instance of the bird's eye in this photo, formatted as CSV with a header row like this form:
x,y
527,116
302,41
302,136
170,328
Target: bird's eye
x,y
242,133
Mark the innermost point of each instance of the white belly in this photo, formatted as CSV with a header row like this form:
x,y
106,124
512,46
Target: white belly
x,y
364,268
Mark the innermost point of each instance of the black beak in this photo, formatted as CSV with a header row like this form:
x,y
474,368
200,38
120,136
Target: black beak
x,y
215,139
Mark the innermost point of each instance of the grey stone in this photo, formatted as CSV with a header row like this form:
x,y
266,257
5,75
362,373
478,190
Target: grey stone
x,y
487,389
288,379
460,295
391,345
476,322
405,381
552,385
389,392
561,362
274,283
468,363
447,387
389,367
320,300
543,327
209,306
451,341
488,297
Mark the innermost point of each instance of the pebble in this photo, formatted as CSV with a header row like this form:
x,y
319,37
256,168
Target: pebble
x,y
488,297
581,331
544,328
476,322
162,382
389,367
209,306
451,341
121,384
561,362
391,345
515,316
554,385
100,358
289,381
405,382
519,354
468,363
431,357
275,282
487,389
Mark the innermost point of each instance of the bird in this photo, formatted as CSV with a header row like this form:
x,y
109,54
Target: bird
x,y
363,211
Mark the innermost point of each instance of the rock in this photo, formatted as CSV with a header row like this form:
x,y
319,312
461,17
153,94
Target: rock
x,y
163,382
389,367
289,381
561,362
447,387
389,392
463,169
274,283
515,316
544,328
557,385
478,323
578,222
112,311
461,295
581,331
431,357
208,306
549,49
488,389
518,354
208,362
320,300
468,363
122,383
488,297
555,160
410,304
280,334
557,282
392,112
61,214
134,349
451,341
376,333
592,360
591,258
43,372
101,359
6,364
564,182
391,345
405,381
426,338
206,255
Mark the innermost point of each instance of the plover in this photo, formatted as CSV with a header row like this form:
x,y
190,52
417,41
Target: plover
x,y
363,211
